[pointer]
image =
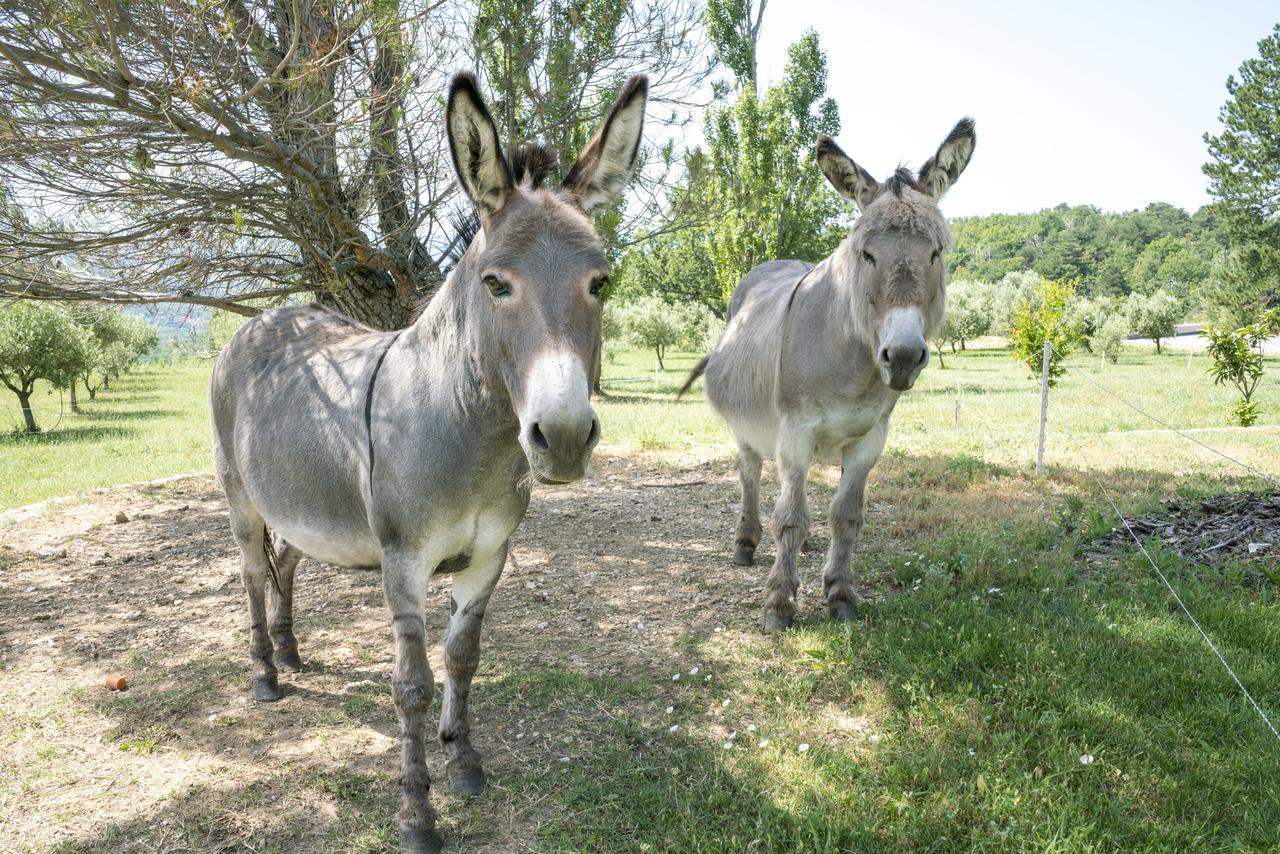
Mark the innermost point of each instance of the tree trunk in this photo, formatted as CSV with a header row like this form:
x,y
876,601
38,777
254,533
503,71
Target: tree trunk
x,y
661,366
1157,346
106,383
941,363
24,400
75,404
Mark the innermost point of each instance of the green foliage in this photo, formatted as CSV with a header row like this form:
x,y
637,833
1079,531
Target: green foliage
x,y
1108,336
222,325
1044,315
1244,172
970,307
765,197
115,342
1237,359
1108,253
650,322
1155,316
1244,283
38,341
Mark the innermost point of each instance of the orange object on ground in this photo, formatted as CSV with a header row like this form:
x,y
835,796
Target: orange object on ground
x,y
116,682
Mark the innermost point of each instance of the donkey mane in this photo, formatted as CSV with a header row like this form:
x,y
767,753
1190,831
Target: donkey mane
x,y
532,163
899,180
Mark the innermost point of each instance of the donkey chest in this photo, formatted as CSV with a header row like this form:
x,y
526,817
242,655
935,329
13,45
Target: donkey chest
x,y
842,422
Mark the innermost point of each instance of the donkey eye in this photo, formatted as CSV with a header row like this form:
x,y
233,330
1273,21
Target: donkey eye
x,y
933,259
599,284
496,286
868,257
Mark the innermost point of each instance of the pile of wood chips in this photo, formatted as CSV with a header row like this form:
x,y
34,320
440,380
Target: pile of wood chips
x,y
1241,525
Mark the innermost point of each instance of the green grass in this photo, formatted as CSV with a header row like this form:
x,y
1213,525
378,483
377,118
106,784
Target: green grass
x,y
1000,693
153,422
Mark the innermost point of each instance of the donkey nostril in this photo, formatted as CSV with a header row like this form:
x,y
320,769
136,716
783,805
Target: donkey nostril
x,y
924,354
538,440
884,355
594,437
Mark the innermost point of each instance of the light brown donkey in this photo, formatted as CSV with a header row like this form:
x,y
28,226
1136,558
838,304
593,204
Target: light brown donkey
x,y
814,357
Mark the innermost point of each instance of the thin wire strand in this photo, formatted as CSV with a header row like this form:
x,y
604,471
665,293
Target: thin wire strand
x,y
1167,426
1185,610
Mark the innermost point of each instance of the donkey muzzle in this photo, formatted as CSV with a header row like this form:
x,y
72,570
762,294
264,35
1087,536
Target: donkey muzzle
x,y
558,428
903,350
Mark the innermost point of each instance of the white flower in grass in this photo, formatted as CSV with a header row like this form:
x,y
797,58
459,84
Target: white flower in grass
x,y
693,671
972,752
724,702
764,742
733,734
675,677
1111,626
728,745
803,748
1087,759
874,738
994,590
564,758
751,727
670,709
673,727
707,678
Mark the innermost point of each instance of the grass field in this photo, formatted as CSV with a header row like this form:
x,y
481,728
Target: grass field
x,y
1000,693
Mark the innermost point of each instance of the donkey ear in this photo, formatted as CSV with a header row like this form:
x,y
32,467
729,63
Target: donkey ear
x,y
849,179
604,167
473,142
942,169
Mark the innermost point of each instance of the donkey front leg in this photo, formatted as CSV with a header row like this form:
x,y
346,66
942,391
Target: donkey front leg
x,y
471,590
846,523
790,527
748,534
404,582
281,608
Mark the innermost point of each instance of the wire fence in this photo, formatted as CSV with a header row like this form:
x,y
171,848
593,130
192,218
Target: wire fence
x,y
1142,547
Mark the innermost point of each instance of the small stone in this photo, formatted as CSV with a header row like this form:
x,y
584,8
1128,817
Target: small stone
x,y
121,518
54,553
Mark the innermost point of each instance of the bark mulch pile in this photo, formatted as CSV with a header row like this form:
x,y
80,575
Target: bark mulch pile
x,y
1239,525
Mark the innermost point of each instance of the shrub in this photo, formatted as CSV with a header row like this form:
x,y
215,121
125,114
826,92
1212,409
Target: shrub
x,y
1154,316
1043,315
1237,359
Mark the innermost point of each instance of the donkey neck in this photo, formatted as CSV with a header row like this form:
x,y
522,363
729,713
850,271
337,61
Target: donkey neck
x,y
845,320
449,348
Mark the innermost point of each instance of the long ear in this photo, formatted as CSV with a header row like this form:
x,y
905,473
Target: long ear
x,y
942,169
849,179
604,167
473,142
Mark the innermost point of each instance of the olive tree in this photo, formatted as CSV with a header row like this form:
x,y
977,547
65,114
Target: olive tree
x,y
38,342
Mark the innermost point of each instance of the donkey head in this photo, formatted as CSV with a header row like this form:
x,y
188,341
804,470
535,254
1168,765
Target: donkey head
x,y
535,272
897,250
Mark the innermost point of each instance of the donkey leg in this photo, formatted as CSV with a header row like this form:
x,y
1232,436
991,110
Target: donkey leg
x,y
471,591
748,535
281,608
790,527
404,582
846,523
248,530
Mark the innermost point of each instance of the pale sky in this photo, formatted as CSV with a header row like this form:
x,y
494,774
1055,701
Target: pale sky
x,y
1087,102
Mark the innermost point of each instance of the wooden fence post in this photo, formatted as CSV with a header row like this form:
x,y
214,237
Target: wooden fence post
x,y
1044,405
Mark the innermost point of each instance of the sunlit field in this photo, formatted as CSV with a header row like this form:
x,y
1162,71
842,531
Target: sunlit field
x,y
1002,690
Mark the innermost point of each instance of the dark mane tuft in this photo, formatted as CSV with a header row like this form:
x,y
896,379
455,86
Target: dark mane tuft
x,y
900,178
532,162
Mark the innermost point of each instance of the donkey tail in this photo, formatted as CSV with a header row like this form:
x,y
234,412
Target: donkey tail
x,y
273,559
698,370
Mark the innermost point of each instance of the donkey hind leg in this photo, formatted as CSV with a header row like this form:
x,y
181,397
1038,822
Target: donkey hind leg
x,y
846,523
790,527
248,530
748,534
404,582
280,604
471,590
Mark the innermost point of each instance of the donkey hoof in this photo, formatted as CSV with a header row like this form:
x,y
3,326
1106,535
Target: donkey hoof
x,y
843,611
744,555
266,689
777,622
465,781
290,662
415,841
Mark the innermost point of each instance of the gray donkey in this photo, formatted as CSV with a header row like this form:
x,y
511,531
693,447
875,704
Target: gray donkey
x,y
813,359
415,450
